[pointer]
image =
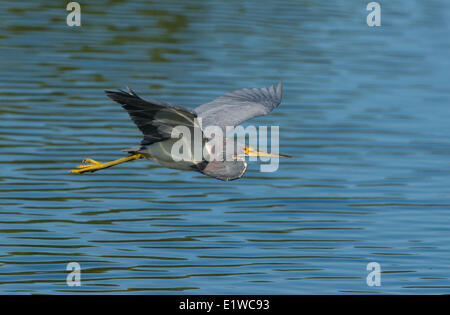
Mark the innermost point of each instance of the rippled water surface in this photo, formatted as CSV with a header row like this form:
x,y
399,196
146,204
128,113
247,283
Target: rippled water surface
x,y
365,115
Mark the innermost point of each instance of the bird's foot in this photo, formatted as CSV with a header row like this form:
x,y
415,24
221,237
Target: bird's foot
x,y
92,167
95,166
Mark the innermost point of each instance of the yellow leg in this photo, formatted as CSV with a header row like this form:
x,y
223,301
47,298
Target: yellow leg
x,y
95,166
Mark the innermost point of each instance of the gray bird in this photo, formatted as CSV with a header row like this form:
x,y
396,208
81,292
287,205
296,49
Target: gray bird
x,y
157,121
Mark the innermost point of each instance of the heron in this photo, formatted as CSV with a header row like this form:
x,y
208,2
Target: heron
x,y
158,119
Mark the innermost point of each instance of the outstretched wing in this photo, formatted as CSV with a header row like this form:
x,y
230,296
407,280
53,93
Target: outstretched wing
x,y
155,119
236,107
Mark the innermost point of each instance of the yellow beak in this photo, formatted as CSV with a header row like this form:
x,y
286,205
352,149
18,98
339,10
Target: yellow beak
x,y
253,152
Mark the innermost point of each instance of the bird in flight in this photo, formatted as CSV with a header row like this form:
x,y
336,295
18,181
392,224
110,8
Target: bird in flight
x,y
157,120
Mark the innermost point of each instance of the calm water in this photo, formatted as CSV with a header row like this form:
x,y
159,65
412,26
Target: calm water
x,y
365,113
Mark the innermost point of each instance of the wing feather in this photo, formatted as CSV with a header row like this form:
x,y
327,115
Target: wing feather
x,y
155,119
236,107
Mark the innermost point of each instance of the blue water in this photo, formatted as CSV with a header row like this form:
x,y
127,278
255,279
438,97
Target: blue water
x,y
365,114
